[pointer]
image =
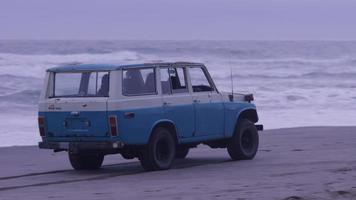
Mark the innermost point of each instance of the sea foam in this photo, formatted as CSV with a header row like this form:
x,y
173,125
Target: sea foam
x,y
294,83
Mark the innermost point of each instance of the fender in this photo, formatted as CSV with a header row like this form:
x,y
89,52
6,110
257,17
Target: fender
x,y
234,114
253,116
164,122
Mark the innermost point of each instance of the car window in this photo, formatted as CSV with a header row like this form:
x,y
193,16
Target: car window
x,y
139,81
173,80
81,84
102,84
199,80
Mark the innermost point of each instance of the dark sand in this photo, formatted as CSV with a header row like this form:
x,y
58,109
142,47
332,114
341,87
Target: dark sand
x,y
296,163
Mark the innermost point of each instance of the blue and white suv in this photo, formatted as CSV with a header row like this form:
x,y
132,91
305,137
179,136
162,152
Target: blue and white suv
x,y
154,112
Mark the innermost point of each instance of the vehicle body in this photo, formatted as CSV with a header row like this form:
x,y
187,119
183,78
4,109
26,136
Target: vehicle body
x,y
91,110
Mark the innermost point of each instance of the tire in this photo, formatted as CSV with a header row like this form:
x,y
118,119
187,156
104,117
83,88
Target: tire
x,y
85,162
159,152
244,143
127,156
182,152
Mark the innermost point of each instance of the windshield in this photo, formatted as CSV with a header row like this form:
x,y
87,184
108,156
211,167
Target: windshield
x,y
81,84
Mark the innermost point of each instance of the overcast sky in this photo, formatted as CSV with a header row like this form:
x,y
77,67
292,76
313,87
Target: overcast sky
x,y
179,19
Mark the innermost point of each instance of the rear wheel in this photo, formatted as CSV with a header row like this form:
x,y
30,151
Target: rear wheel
x,y
160,151
85,161
244,143
182,152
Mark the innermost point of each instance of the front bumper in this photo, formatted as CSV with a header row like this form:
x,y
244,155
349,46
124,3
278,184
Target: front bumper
x,y
259,127
76,146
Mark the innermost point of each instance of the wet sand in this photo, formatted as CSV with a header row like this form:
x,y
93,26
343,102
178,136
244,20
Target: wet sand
x,y
295,163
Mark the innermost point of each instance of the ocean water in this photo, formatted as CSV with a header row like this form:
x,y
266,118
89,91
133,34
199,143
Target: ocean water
x,y
295,83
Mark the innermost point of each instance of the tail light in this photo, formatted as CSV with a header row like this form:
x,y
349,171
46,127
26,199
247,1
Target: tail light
x,y
113,125
41,126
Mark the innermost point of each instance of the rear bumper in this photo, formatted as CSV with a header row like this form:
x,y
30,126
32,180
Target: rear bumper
x,y
76,146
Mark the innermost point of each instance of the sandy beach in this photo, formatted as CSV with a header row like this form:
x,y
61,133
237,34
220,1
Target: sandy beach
x,y
110,73
293,164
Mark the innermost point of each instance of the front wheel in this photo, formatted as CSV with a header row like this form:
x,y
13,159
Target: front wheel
x,y
85,161
244,143
159,153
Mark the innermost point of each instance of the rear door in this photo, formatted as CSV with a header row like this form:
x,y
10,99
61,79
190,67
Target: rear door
x,y
78,105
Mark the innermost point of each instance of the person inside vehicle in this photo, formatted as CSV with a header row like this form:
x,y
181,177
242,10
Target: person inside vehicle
x,y
104,89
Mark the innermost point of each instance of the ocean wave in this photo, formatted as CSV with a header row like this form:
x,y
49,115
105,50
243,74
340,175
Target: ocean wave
x,y
295,98
22,97
120,55
289,76
293,61
35,65
330,75
12,77
16,83
288,79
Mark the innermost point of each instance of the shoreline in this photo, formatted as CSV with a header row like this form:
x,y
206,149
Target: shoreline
x,y
292,163
260,132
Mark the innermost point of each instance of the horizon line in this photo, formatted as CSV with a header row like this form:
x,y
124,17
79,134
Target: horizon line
x,y
182,40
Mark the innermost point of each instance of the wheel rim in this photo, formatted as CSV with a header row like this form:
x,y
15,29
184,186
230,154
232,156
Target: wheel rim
x,y
247,141
163,150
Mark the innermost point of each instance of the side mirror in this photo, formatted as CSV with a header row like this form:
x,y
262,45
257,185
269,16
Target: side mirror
x,y
231,97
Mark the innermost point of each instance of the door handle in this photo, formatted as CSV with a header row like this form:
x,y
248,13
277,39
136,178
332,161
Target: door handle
x,y
196,101
129,115
75,113
65,123
166,103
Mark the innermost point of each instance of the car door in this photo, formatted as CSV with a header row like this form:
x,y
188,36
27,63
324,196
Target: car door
x,y
139,106
177,102
208,105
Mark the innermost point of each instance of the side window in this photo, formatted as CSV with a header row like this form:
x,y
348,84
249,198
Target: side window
x,y
199,80
173,80
165,83
138,81
102,86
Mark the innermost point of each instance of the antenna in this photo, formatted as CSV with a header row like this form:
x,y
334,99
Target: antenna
x,y
231,75
232,81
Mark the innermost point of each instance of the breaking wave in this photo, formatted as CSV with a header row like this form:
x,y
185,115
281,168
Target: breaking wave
x,y
286,77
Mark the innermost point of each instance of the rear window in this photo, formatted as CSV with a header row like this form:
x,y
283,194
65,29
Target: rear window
x,y
139,81
81,84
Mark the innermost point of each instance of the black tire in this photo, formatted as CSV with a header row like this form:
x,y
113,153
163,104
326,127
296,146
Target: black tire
x,y
85,162
182,152
159,153
244,143
127,155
